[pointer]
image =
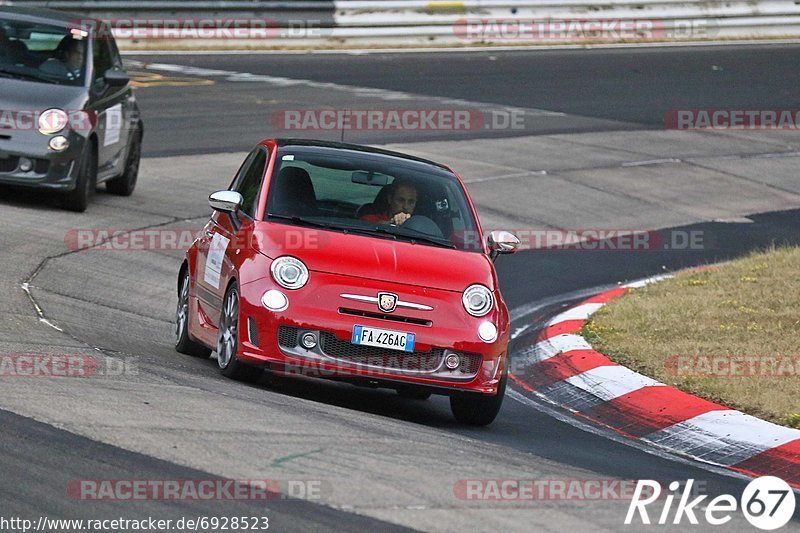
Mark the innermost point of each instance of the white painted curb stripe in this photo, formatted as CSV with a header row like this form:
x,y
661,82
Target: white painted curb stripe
x,y
647,281
609,382
725,437
555,345
579,312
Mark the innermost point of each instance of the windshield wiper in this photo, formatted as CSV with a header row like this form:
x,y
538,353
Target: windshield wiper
x,y
381,232
345,229
23,75
299,220
421,238
377,231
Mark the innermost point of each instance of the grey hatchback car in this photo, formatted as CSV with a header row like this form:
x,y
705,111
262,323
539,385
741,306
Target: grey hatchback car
x,y
68,116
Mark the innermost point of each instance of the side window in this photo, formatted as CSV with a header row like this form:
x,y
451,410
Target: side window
x,y
116,59
248,182
102,58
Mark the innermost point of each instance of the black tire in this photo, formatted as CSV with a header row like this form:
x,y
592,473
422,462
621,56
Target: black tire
x,y
124,184
414,393
228,340
478,410
86,182
183,343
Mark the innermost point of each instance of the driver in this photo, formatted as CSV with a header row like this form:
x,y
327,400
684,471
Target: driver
x,y
402,200
68,60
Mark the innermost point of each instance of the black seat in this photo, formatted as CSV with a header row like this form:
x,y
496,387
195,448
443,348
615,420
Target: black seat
x,y
12,51
378,206
293,193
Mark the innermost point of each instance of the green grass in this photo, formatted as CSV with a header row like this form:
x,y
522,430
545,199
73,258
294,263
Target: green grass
x,y
744,312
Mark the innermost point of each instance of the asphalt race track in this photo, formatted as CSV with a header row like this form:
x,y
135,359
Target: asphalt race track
x,y
593,153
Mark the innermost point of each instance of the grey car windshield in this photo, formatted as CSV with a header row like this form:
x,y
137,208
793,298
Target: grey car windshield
x,y
42,52
373,194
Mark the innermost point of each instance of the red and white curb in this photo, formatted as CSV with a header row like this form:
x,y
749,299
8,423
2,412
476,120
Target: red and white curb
x,y
564,369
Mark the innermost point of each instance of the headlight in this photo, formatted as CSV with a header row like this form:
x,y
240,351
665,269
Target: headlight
x,y
52,121
289,272
477,300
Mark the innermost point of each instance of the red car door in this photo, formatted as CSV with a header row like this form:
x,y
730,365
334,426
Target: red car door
x,y
224,235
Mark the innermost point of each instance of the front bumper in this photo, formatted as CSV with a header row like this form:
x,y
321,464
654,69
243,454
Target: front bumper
x,y
55,171
273,338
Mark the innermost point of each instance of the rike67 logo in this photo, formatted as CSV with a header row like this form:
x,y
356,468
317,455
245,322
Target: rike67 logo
x,y
767,502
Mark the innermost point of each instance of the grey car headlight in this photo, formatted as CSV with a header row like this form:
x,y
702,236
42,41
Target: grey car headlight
x,y
52,121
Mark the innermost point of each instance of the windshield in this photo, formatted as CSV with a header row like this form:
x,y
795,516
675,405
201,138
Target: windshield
x,y
371,194
42,52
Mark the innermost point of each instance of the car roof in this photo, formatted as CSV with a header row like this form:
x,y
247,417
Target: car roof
x,y
41,15
357,148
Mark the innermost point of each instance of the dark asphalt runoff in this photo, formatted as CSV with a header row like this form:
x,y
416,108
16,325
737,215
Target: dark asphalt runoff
x,y
599,89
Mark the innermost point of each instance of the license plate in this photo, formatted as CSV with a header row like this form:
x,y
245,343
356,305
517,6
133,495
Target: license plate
x,y
383,338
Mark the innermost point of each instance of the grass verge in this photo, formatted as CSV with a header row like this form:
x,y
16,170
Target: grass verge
x,y
728,334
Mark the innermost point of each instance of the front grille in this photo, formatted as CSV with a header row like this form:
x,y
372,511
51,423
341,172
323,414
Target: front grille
x,y
40,166
393,360
9,164
287,336
381,316
252,331
381,357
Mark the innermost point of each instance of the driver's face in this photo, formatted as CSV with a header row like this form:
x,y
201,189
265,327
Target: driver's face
x,y
403,200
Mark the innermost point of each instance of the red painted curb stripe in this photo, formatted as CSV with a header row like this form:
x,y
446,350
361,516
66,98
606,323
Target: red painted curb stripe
x,y
781,461
567,326
563,366
604,297
650,409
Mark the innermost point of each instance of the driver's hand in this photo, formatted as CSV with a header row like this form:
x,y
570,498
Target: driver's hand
x,y
399,218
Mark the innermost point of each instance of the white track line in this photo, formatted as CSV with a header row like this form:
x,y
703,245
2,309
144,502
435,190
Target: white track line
x,y
464,49
364,92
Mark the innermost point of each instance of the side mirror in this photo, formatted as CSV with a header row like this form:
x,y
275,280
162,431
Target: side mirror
x,y
502,242
116,78
226,201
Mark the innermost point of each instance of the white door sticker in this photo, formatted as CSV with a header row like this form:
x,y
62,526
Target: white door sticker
x,y
113,124
216,254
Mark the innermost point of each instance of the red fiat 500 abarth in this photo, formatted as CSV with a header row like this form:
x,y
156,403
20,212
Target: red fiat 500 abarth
x,y
351,263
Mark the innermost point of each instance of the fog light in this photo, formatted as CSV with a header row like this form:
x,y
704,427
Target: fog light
x,y
308,340
59,143
25,164
452,361
275,300
487,332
